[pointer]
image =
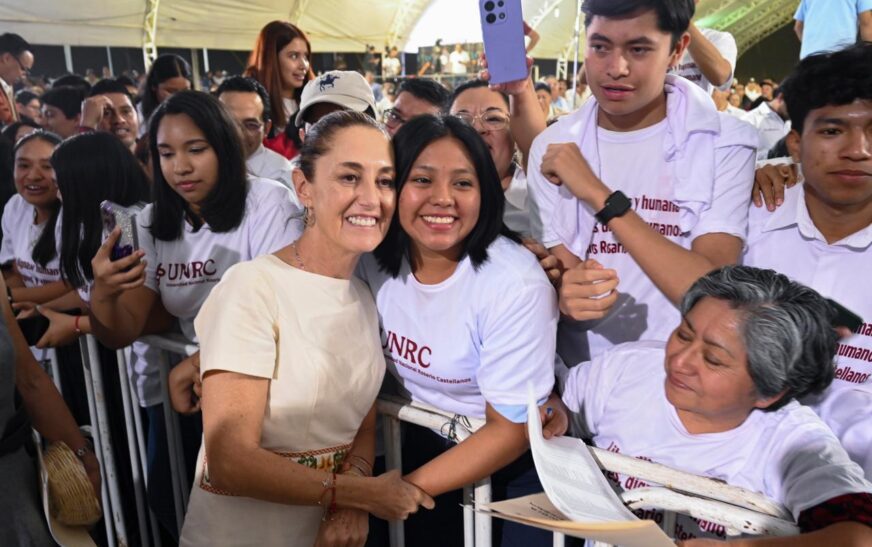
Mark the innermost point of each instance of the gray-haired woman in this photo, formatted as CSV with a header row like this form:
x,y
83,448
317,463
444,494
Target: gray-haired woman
x,y
718,399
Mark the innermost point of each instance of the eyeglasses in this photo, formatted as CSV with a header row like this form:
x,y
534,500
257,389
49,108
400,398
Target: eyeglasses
x,y
492,120
24,70
252,126
392,119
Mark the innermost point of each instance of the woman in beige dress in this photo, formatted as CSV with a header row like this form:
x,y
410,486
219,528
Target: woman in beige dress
x,y
291,364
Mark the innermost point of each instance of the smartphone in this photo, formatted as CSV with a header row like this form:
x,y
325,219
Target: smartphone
x,y
502,26
33,328
116,215
845,317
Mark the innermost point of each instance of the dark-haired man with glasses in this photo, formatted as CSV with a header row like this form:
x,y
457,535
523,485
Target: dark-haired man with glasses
x,y
415,98
248,103
16,60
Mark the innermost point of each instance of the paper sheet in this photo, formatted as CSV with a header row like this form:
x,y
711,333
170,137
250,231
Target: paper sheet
x,y
571,477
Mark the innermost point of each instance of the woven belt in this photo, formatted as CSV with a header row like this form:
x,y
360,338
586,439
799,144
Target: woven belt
x,y
324,459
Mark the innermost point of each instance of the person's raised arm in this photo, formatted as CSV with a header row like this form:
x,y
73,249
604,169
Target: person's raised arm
x,y
527,118
714,65
670,267
120,304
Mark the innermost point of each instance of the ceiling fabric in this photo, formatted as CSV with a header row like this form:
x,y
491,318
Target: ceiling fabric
x,y
332,25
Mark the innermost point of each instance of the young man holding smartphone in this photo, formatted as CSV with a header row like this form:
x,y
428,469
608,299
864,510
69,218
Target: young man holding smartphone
x,y
822,234
647,183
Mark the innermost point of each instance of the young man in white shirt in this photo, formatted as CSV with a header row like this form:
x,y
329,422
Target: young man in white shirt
x,y
771,121
822,234
248,103
686,169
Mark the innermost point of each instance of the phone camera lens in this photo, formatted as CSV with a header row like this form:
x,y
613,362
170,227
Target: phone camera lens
x,y
501,3
491,18
502,16
489,6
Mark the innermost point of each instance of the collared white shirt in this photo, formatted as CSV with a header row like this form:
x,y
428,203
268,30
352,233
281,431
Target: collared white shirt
x,y
268,164
788,241
770,127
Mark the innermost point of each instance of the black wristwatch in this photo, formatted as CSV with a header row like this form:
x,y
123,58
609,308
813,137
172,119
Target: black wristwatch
x,y
616,205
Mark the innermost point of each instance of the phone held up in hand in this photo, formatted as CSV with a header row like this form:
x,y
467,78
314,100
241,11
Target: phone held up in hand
x,y
502,26
125,217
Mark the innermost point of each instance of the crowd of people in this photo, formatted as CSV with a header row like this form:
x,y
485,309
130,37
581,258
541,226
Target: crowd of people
x,y
623,248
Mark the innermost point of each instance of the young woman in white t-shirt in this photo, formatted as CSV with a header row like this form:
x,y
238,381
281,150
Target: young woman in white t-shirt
x,y
468,320
292,365
29,253
206,217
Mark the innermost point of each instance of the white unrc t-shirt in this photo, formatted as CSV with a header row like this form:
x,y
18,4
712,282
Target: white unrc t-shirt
x,y
634,163
184,271
20,235
786,240
788,454
477,337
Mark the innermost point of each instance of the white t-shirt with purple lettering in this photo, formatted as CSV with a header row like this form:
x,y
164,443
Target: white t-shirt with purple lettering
x,y
788,454
477,337
787,241
634,162
184,271
20,235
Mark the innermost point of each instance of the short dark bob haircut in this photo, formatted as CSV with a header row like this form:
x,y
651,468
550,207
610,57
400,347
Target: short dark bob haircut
x,y
409,142
224,207
828,79
673,16
90,168
45,248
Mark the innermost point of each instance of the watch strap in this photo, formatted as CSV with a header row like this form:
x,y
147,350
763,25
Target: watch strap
x,y
617,204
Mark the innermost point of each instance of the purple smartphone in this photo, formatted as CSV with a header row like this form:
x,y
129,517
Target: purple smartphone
x,y
502,25
116,215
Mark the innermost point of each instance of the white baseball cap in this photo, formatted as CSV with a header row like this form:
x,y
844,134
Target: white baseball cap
x,y
345,88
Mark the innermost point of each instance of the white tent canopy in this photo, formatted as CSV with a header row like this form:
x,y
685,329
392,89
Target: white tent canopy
x,y
332,25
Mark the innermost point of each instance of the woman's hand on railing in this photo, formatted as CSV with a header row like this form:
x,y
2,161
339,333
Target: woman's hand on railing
x,y
395,499
344,528
184,385
112,277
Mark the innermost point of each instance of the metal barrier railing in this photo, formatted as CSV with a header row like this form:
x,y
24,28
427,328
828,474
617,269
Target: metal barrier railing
x,y
116,529
173,345
477,526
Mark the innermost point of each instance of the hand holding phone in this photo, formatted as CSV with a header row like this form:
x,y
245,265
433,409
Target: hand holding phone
x,y
502,27
115,215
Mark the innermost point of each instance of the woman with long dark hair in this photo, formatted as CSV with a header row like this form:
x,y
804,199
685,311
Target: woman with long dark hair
x,y
449,260
281,61
168,74
292,366
29,254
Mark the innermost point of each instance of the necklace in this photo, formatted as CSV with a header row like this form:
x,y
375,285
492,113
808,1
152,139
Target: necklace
x,y
297,257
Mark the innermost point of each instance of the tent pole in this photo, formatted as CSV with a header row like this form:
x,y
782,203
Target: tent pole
x,y
576,37
68,58
195,69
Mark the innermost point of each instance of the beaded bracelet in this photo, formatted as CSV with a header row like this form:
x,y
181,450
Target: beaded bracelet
x,y
329,485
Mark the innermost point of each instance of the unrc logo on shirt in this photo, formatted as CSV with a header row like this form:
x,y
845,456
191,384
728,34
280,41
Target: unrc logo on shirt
x,y
174,271
406,349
